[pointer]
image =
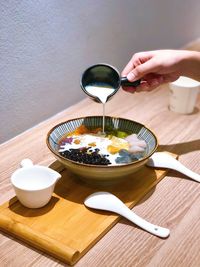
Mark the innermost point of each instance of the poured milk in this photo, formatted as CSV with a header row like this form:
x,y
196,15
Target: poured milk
x,y
102,92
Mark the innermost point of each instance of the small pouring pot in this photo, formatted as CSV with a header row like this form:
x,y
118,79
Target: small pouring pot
x,y
34,184
104,75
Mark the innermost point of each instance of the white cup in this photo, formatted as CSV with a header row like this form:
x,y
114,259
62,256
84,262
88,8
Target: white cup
x,y
34,184
183,95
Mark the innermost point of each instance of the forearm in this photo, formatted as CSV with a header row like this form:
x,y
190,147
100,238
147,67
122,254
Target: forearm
x,y
190,65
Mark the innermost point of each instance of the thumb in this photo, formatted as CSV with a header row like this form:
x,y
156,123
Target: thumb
x,y
142,70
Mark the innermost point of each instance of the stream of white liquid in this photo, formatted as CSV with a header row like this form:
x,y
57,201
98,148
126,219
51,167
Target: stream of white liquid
x,y
102,93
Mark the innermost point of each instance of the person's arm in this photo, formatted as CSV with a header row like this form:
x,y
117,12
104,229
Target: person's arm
x,y
191,65
161,66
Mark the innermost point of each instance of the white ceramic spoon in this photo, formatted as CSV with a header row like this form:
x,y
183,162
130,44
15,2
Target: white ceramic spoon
x,y
164,160
109,202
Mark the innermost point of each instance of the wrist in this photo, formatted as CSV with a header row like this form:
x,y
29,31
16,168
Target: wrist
x,y
190,64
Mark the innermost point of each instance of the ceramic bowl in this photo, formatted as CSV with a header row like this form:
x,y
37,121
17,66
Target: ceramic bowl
x,y
99,173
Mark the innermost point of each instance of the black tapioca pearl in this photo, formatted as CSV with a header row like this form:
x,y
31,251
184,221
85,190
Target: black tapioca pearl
x,y
82,156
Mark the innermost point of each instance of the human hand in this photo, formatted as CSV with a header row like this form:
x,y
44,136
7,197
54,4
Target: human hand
x,y
154,68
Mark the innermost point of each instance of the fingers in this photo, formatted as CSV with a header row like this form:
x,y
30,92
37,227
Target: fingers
x,y
170,77
129,67
140,71
146,85
153,68
136,60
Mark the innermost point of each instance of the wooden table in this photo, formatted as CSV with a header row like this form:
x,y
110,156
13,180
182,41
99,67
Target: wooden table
x,y
174,203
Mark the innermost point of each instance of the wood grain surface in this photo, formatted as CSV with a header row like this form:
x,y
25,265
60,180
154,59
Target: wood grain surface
x,y
174,202
70,236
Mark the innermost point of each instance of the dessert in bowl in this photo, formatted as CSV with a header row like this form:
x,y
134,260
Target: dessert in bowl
x,y
102,157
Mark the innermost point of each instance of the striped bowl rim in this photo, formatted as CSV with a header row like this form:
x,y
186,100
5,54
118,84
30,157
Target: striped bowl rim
x,y
100,166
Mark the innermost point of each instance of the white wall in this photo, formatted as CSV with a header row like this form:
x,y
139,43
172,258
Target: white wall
x,y
45,46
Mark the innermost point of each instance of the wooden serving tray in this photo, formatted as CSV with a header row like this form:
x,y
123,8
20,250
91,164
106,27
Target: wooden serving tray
x,y
65,228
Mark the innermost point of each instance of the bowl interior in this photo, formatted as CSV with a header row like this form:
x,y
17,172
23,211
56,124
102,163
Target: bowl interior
x,y
56,134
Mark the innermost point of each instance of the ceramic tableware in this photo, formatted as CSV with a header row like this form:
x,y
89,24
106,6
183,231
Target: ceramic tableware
x,y
183,95
34,184
109,202
103,77
164,160
102,174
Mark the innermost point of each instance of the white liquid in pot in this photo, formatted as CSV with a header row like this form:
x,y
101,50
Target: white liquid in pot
x,y
102,93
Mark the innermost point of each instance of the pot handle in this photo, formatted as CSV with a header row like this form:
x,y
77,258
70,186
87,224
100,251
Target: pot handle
x,y
125,82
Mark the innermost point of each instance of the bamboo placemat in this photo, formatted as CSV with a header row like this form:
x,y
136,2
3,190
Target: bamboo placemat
x,y
65,228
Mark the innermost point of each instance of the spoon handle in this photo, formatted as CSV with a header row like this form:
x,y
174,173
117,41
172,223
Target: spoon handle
x,y
181,168
149,227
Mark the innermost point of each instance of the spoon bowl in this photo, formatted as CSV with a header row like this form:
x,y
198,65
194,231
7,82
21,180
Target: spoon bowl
x,y
109,202
164,160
